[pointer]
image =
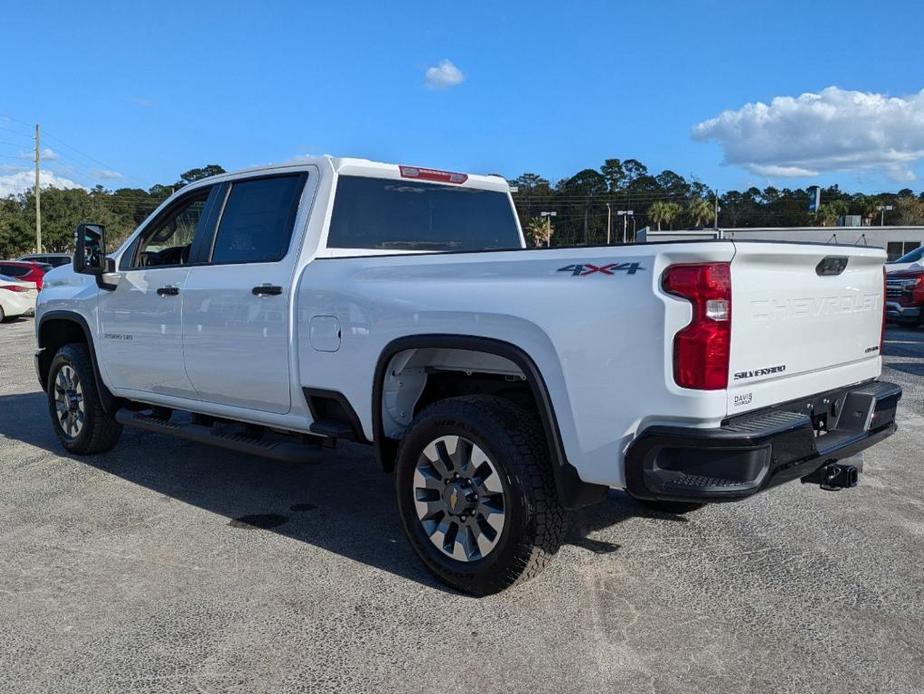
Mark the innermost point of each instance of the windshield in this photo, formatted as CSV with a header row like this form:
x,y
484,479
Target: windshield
x,y
912,256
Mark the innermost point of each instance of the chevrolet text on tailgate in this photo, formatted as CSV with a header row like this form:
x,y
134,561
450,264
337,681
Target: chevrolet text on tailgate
x,y
274,309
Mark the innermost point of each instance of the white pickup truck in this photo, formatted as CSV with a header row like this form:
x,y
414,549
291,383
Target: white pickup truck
x,y
273,309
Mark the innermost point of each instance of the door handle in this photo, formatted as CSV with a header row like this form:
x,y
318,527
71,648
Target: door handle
x,y
267,290
169,290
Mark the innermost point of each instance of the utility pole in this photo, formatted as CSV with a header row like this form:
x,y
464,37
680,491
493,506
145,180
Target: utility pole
x,y
548,226
625,214
38,191
715,219
609,223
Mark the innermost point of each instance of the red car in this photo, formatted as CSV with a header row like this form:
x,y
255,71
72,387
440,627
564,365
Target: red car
x,y
24,271
905,297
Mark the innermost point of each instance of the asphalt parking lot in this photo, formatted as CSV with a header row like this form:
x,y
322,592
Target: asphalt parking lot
x,y
133,572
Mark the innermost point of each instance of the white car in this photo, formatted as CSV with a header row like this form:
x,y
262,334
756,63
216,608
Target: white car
x,y
398,306
16,298
912,260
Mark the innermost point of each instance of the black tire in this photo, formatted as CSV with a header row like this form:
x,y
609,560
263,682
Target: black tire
x,y
2,315
98,431
677,508
514,442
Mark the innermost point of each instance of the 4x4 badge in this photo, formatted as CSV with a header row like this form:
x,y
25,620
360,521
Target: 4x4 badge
x,y
584,269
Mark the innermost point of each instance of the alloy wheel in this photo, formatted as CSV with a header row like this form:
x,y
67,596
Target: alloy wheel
x,y
69,402
459,498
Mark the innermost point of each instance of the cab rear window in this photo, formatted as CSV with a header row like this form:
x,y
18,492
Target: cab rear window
x,y
386,214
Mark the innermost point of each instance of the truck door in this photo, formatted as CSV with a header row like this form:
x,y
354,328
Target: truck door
x,y
236,306
140,328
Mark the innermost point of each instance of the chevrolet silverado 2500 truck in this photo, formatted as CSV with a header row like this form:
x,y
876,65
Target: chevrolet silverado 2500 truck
x,y
274,308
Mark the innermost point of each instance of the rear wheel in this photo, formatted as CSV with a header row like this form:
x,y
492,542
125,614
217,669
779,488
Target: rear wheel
x,y
2,315
80,422
476,494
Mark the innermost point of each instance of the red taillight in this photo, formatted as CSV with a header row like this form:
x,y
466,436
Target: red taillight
x,y
432,174
702,348
13,288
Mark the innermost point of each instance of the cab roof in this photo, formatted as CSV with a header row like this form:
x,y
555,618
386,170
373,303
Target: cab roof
x,y
351,166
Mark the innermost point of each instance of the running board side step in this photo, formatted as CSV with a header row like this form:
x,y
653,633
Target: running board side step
x,y
333,428
286,451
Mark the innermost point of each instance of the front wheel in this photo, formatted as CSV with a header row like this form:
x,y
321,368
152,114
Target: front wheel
x,y
476,493
80,422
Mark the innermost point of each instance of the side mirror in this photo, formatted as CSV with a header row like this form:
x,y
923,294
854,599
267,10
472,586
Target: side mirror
x,y
90,253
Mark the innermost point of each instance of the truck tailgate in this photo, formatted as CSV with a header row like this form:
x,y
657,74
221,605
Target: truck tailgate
x,y
800,325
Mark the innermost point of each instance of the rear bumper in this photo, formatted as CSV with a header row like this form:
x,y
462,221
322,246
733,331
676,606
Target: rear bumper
x,y
16,305
758,450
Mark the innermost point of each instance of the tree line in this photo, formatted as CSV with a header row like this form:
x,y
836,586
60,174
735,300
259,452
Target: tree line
x,y
121,211
587,205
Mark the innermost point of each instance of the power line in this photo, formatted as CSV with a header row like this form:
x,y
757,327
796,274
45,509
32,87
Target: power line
x,y
87,156
69,146
12,130
38,190
16,120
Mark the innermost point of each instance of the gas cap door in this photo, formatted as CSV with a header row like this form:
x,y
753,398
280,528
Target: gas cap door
x,y
324,333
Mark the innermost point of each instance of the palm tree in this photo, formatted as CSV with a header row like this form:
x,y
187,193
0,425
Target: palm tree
x,y
827,213
662,212
868,206
673,211
658,213
700,211
540,231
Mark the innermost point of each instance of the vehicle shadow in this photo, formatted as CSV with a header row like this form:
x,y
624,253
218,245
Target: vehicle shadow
x,y
343,504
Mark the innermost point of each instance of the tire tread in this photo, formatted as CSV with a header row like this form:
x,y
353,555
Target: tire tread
x,y
104,431
531,467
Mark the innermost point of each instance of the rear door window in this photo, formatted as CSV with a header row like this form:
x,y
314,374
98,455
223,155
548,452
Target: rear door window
x,y
257,221
379,213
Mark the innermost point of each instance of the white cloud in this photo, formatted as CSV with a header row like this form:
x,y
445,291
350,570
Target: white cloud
x,y
21,181
141,101
443,75
48,154
105,174
833,130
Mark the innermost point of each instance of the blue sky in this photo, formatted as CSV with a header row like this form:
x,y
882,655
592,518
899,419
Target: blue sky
x,y
151,89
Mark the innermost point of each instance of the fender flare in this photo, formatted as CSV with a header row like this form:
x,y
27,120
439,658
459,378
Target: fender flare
x,y
573,492
107,399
